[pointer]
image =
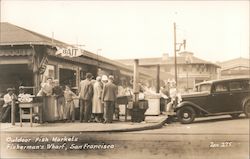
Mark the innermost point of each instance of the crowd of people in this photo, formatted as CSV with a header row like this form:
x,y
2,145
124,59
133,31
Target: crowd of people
x,y
96,99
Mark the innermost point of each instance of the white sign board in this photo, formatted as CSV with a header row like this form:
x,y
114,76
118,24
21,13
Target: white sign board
x,y
69,51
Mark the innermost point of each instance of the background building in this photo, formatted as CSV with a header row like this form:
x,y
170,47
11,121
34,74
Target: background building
x,y
239,67
190,69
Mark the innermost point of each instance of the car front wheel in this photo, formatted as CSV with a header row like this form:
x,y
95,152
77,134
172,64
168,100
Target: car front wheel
x,y
247,109
186,115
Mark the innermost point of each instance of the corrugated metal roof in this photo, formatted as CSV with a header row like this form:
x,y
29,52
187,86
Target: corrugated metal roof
x,y
14,35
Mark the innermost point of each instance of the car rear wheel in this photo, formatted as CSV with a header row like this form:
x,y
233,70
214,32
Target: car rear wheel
x,y
186,115
235,116
247,109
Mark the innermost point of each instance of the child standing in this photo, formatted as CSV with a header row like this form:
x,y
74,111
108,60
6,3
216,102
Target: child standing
x,y
69,104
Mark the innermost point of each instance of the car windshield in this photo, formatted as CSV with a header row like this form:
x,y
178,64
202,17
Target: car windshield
x,y
204,88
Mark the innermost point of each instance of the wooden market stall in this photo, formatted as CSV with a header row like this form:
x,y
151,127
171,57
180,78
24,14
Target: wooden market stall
x,y
29,58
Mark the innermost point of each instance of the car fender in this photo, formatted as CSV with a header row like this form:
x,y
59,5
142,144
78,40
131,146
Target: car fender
x,y
185,103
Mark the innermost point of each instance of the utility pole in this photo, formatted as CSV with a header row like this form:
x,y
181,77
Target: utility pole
x,y
175,58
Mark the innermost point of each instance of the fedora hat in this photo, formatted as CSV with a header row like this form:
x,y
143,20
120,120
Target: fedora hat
x,y
89,75
10,89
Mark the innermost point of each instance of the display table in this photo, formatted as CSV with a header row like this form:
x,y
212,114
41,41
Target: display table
x,y
153,106
29,115
123,101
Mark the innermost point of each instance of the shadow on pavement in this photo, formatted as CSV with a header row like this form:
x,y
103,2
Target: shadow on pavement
x,y
217,119
209,119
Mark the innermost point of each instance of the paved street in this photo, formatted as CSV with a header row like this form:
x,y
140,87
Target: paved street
x,y
216,137
211,137
208,125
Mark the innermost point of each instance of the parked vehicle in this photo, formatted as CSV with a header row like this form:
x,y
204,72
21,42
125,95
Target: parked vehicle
x,y
216,97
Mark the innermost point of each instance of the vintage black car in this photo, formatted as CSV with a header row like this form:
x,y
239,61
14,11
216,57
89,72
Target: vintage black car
x,y
216,97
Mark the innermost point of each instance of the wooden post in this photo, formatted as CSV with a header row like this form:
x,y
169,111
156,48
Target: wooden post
x,y
31,113
136,80
78,77
21,116
157,78
13,112
37,80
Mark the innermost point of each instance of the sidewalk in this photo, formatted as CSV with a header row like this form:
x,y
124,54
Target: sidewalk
x,y
151,122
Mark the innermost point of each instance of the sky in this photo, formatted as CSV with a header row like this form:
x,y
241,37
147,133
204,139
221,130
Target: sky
x,y
214,30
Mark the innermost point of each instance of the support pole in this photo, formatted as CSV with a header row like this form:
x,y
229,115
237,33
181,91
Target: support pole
x,y
136,80
158,79
13,112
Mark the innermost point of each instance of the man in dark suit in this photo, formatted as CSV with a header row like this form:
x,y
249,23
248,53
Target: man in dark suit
x,y
86,94
109,98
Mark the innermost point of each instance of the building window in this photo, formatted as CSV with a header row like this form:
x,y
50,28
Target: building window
x,y
49,72
167,69
184,69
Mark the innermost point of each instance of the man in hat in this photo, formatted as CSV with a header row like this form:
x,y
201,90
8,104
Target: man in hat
x,y
8,98
110,92
86,94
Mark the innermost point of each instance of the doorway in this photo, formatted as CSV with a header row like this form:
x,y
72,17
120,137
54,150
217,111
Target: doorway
x,y
14,76
67,77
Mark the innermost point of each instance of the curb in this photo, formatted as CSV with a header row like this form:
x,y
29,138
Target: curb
x,y
150,127
147,127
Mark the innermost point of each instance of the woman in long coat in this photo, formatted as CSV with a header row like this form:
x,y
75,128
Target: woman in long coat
x,y
97,105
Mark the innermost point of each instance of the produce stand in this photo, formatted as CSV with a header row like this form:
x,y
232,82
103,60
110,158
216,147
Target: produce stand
x,y
30,106
124,100
28,103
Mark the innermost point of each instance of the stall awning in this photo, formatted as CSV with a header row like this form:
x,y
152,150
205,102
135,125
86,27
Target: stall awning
x,y
16,52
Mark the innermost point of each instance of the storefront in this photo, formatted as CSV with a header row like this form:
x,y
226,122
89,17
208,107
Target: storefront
x,y
29,59
14,75
16,67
